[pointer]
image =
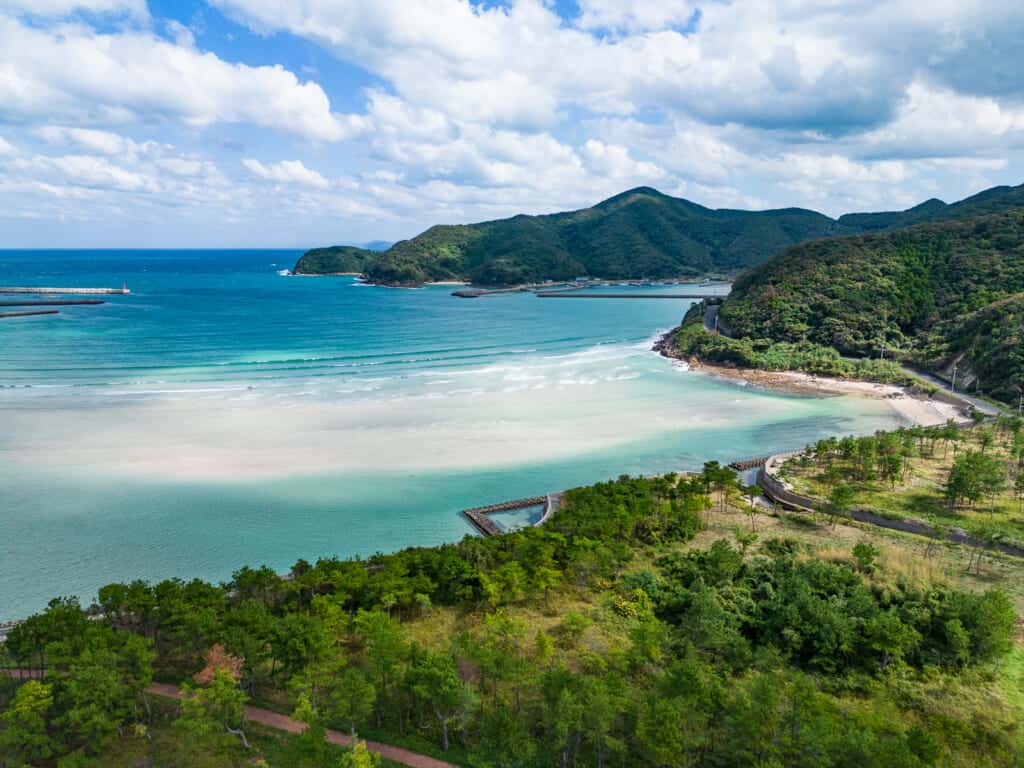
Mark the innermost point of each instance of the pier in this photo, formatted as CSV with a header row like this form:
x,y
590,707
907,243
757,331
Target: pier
x,y
29,313
123,291
51,303
746,464
478,516
638,295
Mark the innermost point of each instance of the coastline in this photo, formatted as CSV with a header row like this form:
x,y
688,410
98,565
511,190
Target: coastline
x,y
378,285
913,406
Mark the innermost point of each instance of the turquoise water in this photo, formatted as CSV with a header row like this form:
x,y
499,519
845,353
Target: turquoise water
x,y
222,414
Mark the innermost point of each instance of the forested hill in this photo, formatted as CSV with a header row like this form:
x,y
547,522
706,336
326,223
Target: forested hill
x,y
639,233
933,293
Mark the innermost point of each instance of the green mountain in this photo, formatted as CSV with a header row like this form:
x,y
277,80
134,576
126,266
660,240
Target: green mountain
x,y
639,233
933,294
335,260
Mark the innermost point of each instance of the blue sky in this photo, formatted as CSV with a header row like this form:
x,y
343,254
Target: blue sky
x,y
274,123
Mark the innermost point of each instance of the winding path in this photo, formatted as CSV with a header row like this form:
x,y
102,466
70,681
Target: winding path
x,y
281,722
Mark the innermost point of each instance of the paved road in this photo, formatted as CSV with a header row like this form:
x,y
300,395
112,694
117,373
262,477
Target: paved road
x,y
284,723
981,405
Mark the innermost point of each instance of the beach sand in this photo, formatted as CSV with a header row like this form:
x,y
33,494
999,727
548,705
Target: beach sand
x,y
914,408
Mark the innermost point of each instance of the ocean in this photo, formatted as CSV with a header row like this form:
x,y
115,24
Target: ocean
x,y
222,414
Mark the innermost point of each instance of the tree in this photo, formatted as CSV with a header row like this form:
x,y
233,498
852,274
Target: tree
x,y
865,553
752,492
25,736
350,698
214,708
312,742
840,500
435,681
359,757
973,476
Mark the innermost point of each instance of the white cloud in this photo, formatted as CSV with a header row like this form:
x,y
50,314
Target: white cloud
x,y
61,8
287,172
104,142
614,161
74,73
938,122
634,15
479,110
6,148
90,171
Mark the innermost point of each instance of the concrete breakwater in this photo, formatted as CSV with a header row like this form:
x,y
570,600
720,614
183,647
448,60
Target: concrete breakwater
x,y
29,313
478,516
51,303
123,291
638,295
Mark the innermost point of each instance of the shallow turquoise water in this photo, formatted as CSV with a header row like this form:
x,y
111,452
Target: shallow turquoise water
x,y
223,415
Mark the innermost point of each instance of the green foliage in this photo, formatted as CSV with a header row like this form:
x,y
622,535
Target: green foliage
x,y
25,736
693,340
933,294
974,477
708,656
359,757
824,617
336,259
640,233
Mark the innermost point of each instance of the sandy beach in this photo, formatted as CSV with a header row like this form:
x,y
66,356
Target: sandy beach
x,y
913,408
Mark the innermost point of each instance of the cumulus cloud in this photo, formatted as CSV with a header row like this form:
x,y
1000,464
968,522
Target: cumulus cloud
x,y
478,110
614,160
636,15
58,8
287,172
75,73
104,142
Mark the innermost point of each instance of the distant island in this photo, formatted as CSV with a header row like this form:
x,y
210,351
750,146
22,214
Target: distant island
x,y
639,233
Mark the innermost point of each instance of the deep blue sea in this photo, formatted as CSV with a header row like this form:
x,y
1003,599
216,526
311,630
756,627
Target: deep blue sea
x,y
223,414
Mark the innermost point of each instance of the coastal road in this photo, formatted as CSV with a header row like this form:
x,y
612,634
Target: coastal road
x,y
281,722
981,405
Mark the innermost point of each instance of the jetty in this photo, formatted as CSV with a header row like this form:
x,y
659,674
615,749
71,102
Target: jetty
x,y
51,303
573,288
122,291
29,313
478,516
573,294
475,293
746,464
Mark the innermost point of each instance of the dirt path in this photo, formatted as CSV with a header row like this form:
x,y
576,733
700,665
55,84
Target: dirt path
x,y
284,723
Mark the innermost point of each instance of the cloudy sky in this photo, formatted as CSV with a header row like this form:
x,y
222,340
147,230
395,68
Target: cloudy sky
x,y
290,123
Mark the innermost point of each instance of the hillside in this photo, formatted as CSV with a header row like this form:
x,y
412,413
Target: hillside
x,y
639,233
335,260
932,294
